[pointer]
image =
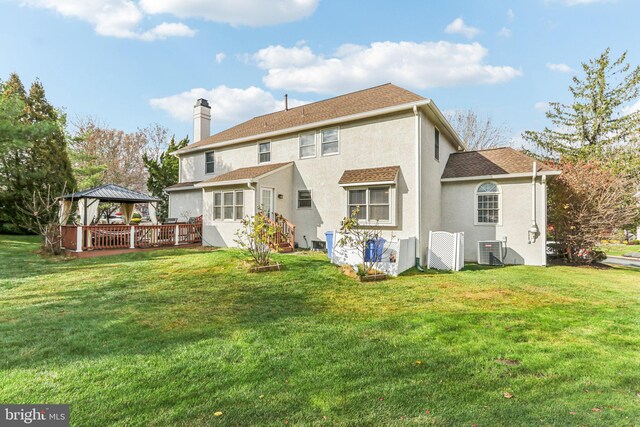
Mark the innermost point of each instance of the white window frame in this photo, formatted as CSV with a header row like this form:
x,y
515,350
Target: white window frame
x,y
315,145
270,152
392,206
337,129
310,199
206,163
475,207
233,205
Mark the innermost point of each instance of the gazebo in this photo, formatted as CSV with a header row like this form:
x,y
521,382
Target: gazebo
x,y
88,236
88,201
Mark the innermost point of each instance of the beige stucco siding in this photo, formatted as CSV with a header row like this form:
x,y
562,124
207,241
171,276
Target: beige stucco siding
x,y
458,214
185,204
432,169
222,233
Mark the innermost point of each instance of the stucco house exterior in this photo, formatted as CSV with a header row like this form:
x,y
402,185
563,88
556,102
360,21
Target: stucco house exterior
x,y
385,149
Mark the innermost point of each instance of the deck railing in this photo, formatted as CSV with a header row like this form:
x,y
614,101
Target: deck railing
x,y
100,237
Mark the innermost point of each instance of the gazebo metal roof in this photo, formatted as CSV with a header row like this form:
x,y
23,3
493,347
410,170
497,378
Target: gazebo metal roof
x,y
112,193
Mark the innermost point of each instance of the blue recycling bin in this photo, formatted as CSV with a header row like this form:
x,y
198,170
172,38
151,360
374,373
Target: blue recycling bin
x,y
374,250
329,236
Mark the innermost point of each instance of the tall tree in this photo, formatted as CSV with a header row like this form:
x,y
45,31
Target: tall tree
x,y
37,157
163,172
118,152
597,124
479,133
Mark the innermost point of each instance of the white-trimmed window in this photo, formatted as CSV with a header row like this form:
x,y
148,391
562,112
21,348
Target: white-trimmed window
x,y
228,205
330,142
264,152
304,199
307,144
488,200
373,204
209,162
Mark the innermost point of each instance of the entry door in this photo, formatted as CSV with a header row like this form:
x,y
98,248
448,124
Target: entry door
x,y
267,201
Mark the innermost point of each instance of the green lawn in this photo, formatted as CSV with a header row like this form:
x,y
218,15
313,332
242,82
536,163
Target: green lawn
x,y
620,250
171,337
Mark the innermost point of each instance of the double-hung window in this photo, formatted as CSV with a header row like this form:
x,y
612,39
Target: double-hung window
x,y
372,204
264,152
209,162
307,142
488,203
304,199
330,142
228,205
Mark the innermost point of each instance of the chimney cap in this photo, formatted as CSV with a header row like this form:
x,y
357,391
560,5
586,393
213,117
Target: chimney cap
x,y
202,102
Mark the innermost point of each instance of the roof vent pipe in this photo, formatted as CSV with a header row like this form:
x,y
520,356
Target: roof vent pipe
x,y
286,102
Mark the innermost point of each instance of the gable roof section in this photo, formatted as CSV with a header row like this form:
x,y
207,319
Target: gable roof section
x,y
112,193
187,185
497,161
245,174
375,98
386,174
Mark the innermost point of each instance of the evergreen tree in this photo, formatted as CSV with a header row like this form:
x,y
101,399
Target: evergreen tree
x,y
597,125
36,160
163,172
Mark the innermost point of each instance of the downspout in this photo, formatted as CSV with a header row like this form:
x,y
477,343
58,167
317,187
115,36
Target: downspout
x,y
416,113
533,231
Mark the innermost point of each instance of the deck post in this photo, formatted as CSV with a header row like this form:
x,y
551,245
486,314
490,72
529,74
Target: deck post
x,y
79,238
132,237
177,237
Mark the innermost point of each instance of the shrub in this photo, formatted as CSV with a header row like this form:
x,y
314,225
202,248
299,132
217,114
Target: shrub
x,y
587,202
634,242
256,235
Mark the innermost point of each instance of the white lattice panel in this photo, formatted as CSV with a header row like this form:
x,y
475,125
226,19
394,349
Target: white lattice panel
x,y
446,250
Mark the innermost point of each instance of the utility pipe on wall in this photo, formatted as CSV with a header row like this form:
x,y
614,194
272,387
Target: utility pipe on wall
x,y
416,112
533,231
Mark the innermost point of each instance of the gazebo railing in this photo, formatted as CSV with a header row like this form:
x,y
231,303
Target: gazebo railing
x,y
104,236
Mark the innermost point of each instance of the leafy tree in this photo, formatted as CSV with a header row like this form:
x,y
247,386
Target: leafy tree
x,y
589,201
163,171
256,235
36,158
479,133
598,124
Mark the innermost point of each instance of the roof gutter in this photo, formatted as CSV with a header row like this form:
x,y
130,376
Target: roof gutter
x,y
501,176
353,117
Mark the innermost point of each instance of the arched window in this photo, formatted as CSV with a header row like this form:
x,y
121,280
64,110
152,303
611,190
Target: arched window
x,y
488,203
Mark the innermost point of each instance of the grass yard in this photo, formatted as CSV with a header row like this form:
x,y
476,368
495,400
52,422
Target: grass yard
x,y
172,337
620,250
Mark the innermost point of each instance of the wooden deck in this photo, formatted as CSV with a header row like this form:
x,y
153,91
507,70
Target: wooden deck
x,y
128,238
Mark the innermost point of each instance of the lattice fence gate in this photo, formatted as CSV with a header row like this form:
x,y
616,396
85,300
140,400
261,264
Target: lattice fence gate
x,y
446,251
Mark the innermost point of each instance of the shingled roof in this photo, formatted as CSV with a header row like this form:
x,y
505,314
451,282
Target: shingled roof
x,y
248,173
360,176
497,161
183,185
375,98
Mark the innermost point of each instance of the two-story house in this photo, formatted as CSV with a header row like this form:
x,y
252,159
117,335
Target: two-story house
x,y
385,150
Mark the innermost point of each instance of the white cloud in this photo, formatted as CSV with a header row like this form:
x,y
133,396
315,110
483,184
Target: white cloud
x,y
561,68
252,13
414,65
629,109
122,18
504,32
115,18
511,14
228,105
541,106
167,29
220,56
459,27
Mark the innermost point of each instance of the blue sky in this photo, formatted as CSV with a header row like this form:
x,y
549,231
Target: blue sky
x,y
134,62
